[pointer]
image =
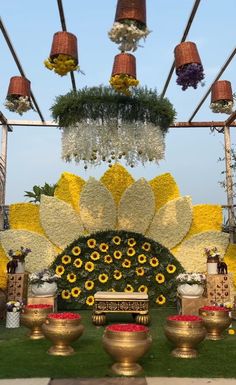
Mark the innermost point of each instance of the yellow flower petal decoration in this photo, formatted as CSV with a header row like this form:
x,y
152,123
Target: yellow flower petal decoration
x,y
131,242
205,218
66,259
160,278
103,247
191,252
117,274
60,270
65,294
142,258
161,300
126,263
143,289
95,255
117,179
172,222
117,254
75,292
139,271
78,262
231,332
89,285
91,243
146,246
42,251
97,207
71,277
131,251
230,259
170,268
154,262
108,259
69,188
25,216
137,207
89,266
165,189
129,288
90,300
76,250
60,221
116,240
103,278
4,259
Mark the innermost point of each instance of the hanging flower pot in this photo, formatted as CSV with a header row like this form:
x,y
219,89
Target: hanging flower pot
x,y
18,95
222,97
130,24
188,65
124,73
64,54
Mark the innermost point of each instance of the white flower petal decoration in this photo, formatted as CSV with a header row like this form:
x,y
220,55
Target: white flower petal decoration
x,y
137,207
172,222
61,223
97,206
42,251
191,253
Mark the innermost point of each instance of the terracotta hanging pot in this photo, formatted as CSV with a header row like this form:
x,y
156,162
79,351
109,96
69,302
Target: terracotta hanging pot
x,y
186,53
64,43
19,86
124,63
131,9
221,90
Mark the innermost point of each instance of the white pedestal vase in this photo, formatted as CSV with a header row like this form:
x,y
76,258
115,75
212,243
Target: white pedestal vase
x,y
20,267
190,291
12,319
45,289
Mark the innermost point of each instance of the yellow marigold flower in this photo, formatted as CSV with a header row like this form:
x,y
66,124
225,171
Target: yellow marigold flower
x,y
89,266
160,278
116,240
154,262
131,242
17,253
59,270
231,332
142,258
161,300
95,255
126,263
89,285
146,246
143,289
103,247
103,278
140,271
131,251
76,250
129,288
90,300
75,292
108,259
117,274
71,277
117,254
65,294
66,259
91,243
78,262
170,268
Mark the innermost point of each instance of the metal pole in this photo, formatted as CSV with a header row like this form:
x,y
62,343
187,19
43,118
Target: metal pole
x,y
229,183
3,167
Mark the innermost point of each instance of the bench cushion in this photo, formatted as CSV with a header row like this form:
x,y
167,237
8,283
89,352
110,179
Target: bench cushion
x,y
119,295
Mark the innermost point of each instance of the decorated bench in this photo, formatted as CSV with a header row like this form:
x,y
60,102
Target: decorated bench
x,y
119,302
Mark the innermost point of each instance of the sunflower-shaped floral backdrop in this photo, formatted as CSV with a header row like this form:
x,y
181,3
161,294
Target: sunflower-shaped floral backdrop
x,y
152,209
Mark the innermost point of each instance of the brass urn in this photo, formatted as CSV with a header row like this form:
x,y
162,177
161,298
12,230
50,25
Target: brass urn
x,y
62,329
216,319
126,343
33,316
185,332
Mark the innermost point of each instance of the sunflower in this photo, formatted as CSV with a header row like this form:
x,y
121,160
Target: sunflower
x,y
65,294
89,266
117,254
103,247
91,243
89,285
66,259
129,288
75,292
140,271
143,289
117,274
131,242
59,270
131,251
160,278
76,250
103,278
146,246
108,259
71,277
142,258
116,240
126,263
154,262
78,262
170,268
95,255
161,300
90,300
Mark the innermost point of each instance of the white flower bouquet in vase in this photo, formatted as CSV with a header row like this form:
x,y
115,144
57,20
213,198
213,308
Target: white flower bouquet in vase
x,y
43,283
191,285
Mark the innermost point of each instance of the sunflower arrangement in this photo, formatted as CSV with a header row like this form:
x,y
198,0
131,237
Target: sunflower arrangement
x,y
115,261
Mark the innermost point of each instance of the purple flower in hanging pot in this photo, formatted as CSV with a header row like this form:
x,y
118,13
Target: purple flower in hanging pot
x,y
189,75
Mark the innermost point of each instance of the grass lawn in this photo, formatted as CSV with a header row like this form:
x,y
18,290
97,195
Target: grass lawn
x,y
21,357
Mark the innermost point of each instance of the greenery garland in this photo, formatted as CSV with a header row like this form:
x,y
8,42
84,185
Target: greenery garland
x,y
115,261
102,104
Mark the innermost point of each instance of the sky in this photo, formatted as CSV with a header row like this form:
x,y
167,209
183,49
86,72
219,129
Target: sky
x,y
34,153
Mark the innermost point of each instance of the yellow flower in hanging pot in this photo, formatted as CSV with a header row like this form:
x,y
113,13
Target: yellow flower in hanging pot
x,y
122,83
61,65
